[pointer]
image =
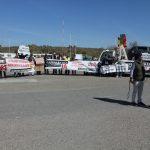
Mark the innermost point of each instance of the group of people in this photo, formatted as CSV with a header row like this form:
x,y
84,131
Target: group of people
x,y
57,56
137,75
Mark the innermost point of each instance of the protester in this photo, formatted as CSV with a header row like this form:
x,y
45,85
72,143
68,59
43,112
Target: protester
x,y
119,69
39,65
99,68
105,60
46,71
137,77
22,56
2,71
32,61
31,58
67,72
17,55
54,56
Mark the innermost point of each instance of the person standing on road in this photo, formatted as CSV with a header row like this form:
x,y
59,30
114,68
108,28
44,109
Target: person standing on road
x,y
99,68
32,61
3,69
46,71
137,78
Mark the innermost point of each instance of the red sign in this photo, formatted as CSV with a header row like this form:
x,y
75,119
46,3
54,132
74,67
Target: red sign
x,y
3,67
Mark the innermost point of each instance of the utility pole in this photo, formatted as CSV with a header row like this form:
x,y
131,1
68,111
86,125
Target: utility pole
x,y
75,51
70,46
63,32
9,49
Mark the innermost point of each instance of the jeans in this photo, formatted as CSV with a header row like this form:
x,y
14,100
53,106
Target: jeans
x,y
137,90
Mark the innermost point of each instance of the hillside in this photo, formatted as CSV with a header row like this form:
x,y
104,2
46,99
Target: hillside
x,y
95,52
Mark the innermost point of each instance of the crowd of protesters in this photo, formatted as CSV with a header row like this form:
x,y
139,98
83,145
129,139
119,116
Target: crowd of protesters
x,y
55,56
39,62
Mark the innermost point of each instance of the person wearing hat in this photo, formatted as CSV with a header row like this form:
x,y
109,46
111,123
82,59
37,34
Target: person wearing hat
x,y
137,77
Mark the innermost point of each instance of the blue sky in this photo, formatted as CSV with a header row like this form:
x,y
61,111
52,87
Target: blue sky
x,y
85,23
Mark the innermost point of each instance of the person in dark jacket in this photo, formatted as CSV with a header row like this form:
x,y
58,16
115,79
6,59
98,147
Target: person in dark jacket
x,y
32,59
46,71
99,68
137,77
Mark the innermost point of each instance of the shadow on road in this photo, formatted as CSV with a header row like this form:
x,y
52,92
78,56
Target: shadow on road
x,y
121,102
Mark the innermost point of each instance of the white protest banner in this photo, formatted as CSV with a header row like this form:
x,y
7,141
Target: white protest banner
x,y
108,69
24,50
17,64
87,66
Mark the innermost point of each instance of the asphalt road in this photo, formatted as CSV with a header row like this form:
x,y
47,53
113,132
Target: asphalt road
x,y
71,113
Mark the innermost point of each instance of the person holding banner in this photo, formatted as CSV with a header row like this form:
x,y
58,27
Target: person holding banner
x,y
99,68
2,67
137,78
67,72
39,67
31,59
45,64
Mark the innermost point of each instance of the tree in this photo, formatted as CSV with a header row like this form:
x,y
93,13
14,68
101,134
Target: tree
x,y
111,47
133,44
131,51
